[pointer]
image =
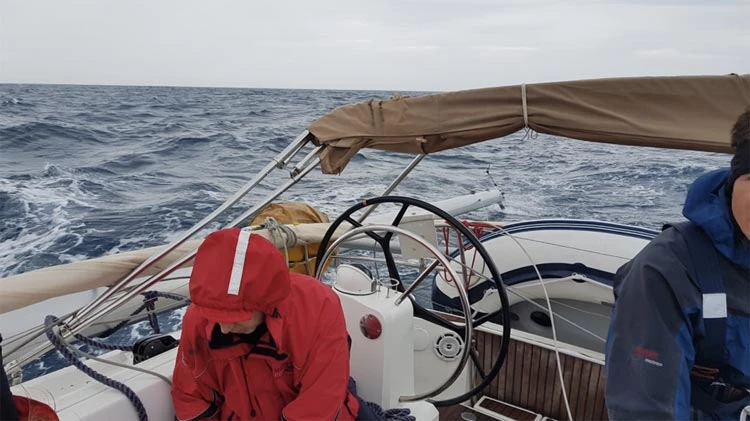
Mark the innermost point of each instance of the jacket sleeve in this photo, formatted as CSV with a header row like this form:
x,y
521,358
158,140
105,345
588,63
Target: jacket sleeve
x,y
325,375
192,400
649,352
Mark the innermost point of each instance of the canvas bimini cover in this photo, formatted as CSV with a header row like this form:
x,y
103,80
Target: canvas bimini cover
x,y
684,112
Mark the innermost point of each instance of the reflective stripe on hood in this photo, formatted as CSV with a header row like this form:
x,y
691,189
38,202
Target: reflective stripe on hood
x,y
236,273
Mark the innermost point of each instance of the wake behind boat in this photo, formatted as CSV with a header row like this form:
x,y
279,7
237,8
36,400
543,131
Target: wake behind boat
x,y
500,357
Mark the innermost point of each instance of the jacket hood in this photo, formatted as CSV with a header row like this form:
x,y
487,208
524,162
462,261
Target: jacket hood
x,y
235,273
707,205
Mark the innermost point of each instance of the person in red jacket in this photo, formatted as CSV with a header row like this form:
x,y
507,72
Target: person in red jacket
x,y
259,342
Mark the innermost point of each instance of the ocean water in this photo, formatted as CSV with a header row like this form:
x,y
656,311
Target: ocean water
x,y
87,171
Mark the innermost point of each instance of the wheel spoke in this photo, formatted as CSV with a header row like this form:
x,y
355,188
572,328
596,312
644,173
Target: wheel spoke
x,y
357,224
397,220
478,364
431,317
390,263
462,253
488,317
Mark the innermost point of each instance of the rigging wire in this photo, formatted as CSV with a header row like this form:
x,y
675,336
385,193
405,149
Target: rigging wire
x,y
514,290
551,313
549,308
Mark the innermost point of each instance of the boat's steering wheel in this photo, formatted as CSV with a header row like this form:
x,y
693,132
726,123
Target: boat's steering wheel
x,y
384,241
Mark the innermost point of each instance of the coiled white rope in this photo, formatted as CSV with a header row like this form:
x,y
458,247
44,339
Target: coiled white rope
x,y
280,234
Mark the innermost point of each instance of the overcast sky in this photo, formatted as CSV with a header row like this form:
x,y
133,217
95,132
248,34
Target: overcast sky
x,y
429,45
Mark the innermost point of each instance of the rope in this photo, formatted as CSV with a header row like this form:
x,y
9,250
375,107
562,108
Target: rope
x,y
150,307
277,230
150,298
168,295
121,365
280,234
63,348
117,327
148,303
523,104
530,134
102,345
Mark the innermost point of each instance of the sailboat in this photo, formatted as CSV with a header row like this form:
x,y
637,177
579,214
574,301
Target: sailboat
x,y
517,312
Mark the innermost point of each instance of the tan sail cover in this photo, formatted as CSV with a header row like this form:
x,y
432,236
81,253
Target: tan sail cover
x,y
32,287
686,112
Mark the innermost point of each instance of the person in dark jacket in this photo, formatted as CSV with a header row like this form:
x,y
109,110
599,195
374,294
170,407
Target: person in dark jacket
x,y
679,341
259,342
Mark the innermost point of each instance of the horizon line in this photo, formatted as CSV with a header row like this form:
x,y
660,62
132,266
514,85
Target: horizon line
x,y
116,85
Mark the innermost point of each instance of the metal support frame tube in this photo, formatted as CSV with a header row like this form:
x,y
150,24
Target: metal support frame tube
x,y
174,266
83,319
395,183
166,272
280,160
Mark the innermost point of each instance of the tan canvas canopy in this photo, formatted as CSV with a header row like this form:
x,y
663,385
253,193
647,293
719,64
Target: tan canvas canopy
x,y
673,112
687,112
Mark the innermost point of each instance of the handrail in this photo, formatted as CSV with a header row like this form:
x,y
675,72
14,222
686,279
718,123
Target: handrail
x,y
92,311
277,162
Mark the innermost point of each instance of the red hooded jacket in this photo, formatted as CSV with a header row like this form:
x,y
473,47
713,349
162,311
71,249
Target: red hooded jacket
x,y
297,369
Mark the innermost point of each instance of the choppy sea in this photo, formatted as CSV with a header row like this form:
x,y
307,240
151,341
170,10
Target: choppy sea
x,y
87,171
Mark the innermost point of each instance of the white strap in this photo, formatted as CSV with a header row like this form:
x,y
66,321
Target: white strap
x,y
238,265
523,104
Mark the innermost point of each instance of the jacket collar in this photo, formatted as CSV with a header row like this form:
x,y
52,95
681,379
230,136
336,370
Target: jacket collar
x,y
273,325
707,205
